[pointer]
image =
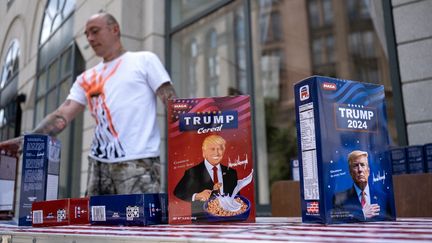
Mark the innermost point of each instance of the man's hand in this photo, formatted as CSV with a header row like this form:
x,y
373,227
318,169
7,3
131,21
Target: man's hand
x,y
203,196
12,146
371,210
217,186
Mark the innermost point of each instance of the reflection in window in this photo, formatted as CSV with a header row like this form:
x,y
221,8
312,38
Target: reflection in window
x,y
320,13
271,27
55,14
212,63
358,9
11,64
240,52
314,16
327,12
192,58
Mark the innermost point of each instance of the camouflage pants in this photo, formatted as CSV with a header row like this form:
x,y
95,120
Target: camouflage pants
x,y
127,177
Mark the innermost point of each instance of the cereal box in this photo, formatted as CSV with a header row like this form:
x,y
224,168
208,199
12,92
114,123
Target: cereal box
x,y
40,173
428,157
399,161
343,142
415,159
129,209
66,211
210,161
8,170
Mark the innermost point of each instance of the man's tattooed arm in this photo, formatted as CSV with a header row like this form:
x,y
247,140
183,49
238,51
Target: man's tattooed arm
x,y
57,121
165,92
52,124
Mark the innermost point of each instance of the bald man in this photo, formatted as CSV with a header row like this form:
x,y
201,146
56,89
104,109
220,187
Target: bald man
x,y
120,92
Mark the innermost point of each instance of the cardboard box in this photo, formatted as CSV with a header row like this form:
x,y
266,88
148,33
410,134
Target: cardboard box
x,y
399,161
40,173
340,120
132,209
428,157
8,170
60,212
415,159
203,132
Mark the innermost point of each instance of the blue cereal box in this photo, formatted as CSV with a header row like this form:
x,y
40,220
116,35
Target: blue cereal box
x,y
428,157
131,209
40,173
415,160
399,161
343,142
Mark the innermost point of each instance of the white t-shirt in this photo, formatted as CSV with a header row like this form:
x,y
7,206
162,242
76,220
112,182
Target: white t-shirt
x,y
121,97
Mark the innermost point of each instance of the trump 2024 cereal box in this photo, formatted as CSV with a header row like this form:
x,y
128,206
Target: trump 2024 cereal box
x,y
343,142
210,161
40,173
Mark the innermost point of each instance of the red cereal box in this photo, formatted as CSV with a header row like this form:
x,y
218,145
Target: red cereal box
x,y
210,160
60,212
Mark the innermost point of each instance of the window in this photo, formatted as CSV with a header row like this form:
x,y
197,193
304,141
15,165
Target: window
x,y
11,64
55,14
289,41
59,62
10,112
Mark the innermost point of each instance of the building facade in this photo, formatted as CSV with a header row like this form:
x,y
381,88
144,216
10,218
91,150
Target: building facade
x,y
216,48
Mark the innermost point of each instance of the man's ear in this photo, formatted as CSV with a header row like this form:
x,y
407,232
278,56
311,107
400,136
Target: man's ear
x,y
116,29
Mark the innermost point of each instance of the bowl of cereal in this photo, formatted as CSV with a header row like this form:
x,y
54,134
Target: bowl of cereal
x,y
218,211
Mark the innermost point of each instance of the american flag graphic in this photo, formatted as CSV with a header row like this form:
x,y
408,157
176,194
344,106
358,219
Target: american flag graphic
x,y
312,207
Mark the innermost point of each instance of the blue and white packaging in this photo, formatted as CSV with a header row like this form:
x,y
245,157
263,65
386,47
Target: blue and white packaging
x,y
428,157
415,159
399,161
337,120
40,173
130,209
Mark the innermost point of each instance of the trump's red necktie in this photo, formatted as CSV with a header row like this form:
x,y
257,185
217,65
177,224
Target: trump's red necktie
x,y
363,198
215,175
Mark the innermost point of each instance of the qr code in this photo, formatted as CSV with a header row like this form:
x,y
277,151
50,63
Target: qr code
x,y
132,212
61,215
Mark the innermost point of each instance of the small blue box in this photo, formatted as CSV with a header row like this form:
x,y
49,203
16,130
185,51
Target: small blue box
x,y
131,209
427,149
415,160
40,173
399,161
343,142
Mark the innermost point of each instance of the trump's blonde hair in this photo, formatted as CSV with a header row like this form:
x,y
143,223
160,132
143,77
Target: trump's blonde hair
x,y
355,154
214,139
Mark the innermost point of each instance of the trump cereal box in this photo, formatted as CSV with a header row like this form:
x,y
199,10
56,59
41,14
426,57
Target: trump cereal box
x,y
129,209
210,161
66,211
40,173
343,142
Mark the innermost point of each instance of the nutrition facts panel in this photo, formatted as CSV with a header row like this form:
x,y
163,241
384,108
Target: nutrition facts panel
x,y
308,146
